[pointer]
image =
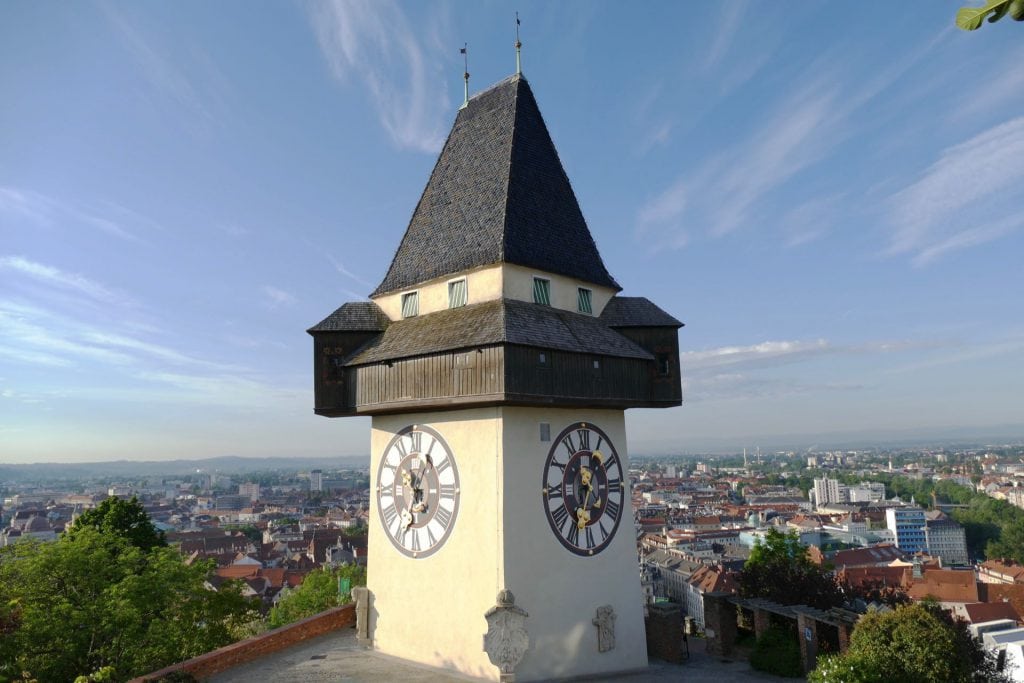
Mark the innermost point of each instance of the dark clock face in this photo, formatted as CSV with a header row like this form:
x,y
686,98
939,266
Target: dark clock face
x,y
418,491
584,492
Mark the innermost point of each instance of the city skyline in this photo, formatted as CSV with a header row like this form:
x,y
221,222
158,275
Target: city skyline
x,y
825,200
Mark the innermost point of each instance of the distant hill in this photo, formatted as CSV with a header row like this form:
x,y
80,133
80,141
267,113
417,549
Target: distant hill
x,y
228,464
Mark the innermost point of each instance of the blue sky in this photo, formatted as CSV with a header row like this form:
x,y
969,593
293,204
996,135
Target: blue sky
x,y
829,196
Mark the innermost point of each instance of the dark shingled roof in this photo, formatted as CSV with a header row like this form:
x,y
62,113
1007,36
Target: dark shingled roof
x,y
635,311
357,316
498,193
495,322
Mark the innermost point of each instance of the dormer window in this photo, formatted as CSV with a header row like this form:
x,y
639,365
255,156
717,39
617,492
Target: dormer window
x,y
542,291
410,304
457,293
583,305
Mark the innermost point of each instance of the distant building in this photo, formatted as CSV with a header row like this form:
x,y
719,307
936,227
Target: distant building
x,y
908,525
946,539
866,492
316,480
828,491
250,490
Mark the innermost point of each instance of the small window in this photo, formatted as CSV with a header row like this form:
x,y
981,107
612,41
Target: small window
x,y
457,293
543,360
410,304
541,291
545,431
664,364
583,301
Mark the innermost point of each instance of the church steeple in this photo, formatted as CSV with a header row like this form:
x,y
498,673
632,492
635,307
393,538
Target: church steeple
x,y
498,194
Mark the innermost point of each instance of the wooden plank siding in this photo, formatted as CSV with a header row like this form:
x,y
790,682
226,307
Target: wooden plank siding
x,y
497,375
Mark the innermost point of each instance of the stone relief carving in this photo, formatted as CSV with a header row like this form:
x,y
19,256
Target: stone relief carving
x,y
605,623
506,640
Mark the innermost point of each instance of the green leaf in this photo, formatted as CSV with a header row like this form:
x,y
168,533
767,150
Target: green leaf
x,y
970,18
1017,10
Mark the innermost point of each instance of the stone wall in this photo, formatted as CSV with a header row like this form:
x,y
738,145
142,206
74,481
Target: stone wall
x,y
665,631
247,650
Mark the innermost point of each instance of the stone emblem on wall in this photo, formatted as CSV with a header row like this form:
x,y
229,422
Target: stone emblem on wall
x,y
605,623
506,640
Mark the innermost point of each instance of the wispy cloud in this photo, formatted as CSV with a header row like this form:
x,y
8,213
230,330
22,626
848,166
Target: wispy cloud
x,y
742,371
375,43
964,199
732,15
58,278
340,267
722,194
277,297
41,210
810,221
160,69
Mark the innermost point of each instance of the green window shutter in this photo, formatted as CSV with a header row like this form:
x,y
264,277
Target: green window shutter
x,y
541,291
457,294
410,304
583,301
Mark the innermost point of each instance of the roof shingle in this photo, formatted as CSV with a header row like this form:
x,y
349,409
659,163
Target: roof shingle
x,y
498,194
495,322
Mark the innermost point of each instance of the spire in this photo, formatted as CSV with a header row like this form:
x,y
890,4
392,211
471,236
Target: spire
x,y
498,194
519,44
465,73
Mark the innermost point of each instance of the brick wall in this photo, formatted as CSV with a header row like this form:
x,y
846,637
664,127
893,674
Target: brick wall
x,y
244,651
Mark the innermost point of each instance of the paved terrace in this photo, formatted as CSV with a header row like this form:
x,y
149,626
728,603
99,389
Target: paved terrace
x,y
336,656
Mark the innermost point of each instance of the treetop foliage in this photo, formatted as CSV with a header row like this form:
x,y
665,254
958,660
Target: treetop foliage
x,y
124,518
919,643
780,570
94,604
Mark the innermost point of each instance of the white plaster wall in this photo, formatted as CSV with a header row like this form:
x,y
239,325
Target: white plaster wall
x,y
482,284
494,282
518,284
560,590
431,610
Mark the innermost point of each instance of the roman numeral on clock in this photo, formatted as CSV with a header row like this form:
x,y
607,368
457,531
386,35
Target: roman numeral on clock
x,y
416,438
569,446
612,510
559,515
443,516
584,436
574,535
590,537
390,515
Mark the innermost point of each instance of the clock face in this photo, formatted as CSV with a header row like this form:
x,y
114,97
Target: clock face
x,y
584,493
418,491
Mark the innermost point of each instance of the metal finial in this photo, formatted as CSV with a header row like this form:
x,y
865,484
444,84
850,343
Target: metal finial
x,y
465,73
519,44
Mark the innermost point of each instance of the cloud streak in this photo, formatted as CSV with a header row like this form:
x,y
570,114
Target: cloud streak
x,y
966,198
41,210
55,277
375,43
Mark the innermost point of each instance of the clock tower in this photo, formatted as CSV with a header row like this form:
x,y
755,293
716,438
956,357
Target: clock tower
x,y
496,359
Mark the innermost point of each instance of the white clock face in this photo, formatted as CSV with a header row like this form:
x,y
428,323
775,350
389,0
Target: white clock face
x,y
418,491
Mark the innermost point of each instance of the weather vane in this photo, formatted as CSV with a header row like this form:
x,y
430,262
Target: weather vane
x,y
519,44
465,73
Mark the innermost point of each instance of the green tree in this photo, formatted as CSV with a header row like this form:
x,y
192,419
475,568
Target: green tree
x,y
93,600
318,592
780,570
971,18
919,643
124,518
